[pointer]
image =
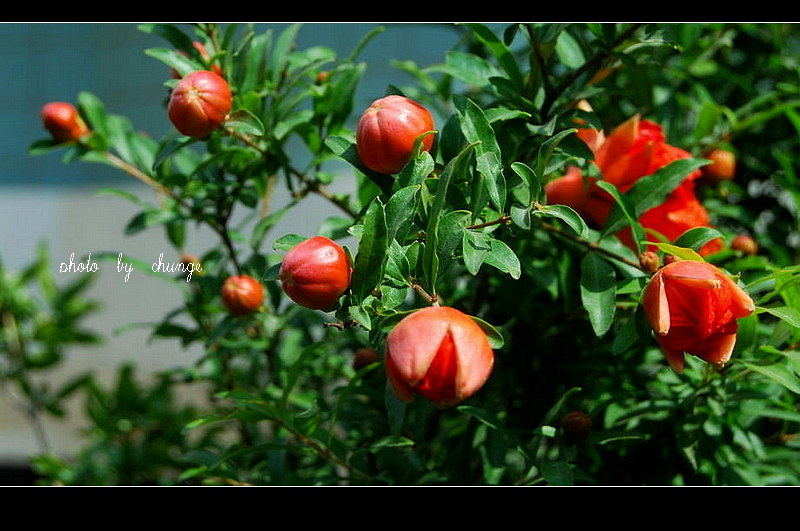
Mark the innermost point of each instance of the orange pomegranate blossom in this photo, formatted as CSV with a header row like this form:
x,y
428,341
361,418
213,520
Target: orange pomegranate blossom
x,y
693,307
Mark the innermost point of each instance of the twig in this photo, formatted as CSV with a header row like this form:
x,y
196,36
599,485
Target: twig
x,y
324,452
596,60
502,220
590,245
30,407
433,300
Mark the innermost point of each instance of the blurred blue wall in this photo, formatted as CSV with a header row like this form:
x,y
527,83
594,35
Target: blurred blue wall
x,y
55,61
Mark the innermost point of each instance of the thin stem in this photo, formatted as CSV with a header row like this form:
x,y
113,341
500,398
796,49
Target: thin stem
x,y
590,245
502,220
135,172
29,406
324,452
594,62
433,300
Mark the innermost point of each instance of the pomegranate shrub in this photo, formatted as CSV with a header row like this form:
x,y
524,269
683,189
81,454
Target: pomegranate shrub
x,y
531,280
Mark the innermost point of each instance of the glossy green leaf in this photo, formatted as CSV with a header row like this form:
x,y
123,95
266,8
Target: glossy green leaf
x,y
649,192
598,292
477,129
500,50
778,373
547,149
531,179
370,260
467,67
400,212
171,33
569,50
172,58
784,313
430,261
681,252
244,122
625,210
565,214
695,238
494,335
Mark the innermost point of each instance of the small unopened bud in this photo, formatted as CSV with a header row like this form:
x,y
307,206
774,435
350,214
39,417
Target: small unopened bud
x,y
322,76
577,426
364,357
744,244
670,258
649,261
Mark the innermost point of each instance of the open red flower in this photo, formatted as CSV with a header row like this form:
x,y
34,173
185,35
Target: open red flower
x,y
633,150
439,353
693,307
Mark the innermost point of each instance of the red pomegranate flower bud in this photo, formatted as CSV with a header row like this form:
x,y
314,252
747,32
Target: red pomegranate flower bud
x,y
722,167
577,426
744,244
693,307
63,122
387,130
242,294
199,103
315,273
439,353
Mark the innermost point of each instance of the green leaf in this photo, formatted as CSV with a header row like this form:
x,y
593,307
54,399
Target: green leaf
x,y
567,215
496,340
598,292
245,122
500,50
400,211
467,67
503,258
168,148
364,41
784,313
286,242
147,219
170,33
280,53
255,62
395,410
172,58
649,192
372,250
477,129
294,120
626,211
430,261
778,373
695,238
346,149
557,473
531,179
265,224
569,51
681,252
92,109
547,148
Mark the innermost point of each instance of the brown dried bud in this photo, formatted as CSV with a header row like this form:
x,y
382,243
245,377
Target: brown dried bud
x,y
363,357
649,261
577,426
745,244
